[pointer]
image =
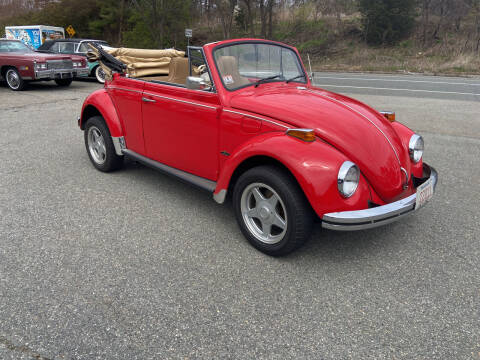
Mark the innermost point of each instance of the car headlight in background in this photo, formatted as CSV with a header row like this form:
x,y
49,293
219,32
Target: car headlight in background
x,y
348,178
40,66
415,148
77,64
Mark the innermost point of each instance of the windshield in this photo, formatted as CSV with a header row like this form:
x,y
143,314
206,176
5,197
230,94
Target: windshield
x,y
241,65
14,46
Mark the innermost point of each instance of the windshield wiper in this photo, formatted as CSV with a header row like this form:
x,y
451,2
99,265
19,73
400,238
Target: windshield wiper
x,y
295,78
261,81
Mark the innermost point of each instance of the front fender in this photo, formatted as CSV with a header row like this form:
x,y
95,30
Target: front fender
x,y
405,133
314,165
99,102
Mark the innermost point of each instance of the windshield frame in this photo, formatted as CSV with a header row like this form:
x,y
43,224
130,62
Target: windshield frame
x,y
273,43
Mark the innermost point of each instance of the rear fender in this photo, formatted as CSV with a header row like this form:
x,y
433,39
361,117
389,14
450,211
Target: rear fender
x,y
100,103
314,165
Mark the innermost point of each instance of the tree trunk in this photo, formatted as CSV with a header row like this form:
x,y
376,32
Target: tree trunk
x,y
263,20
120,25
248,4
270,19
425,20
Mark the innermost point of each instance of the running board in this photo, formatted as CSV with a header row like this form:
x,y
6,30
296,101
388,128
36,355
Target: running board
x,y
202,183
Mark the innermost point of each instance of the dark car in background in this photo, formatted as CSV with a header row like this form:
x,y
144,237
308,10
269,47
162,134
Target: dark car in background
x,y
76,47
20,64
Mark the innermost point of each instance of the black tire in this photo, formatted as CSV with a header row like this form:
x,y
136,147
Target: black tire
x,y
297,214
14,79
64,82
105,159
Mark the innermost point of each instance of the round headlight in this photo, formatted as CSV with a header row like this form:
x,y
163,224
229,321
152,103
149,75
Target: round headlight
x,y
348,178
415,148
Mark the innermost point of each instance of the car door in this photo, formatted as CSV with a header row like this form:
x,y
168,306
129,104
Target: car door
x,y
181,127
3,53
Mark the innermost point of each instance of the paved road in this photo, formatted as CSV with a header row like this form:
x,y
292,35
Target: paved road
x,y
455,88
135,265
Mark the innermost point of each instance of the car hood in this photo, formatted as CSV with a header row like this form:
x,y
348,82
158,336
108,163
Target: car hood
x,y
358,131
38,56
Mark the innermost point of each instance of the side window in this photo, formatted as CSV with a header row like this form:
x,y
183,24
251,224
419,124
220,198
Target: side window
x,y
3,46
67,48
198,68
55,47
83,48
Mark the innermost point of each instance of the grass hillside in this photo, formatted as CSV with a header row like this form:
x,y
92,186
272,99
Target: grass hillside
x,y
338,44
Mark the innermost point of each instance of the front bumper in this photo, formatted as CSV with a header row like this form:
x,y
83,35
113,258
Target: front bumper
x,y
60,73
377,216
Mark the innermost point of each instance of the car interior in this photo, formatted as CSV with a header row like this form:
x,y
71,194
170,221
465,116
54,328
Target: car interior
x,y
232,78
167,66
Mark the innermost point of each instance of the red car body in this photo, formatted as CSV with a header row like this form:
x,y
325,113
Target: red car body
x,y
215,136
27,63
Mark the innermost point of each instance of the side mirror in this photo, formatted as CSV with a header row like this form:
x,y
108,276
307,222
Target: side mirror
x,y
196,83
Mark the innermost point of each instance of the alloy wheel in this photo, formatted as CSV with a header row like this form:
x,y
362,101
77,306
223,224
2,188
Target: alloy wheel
x,y
96,145
264,213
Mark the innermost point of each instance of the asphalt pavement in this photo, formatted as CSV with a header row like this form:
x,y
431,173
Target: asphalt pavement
x,y
408,85
137,265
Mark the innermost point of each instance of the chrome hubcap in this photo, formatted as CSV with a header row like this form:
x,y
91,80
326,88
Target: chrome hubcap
x,y
13,79
96,145
264,213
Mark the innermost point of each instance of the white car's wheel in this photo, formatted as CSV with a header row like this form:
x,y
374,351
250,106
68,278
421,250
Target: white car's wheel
x,y
100,74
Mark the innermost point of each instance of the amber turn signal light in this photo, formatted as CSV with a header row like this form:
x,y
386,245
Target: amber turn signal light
x,y
389,115
303,134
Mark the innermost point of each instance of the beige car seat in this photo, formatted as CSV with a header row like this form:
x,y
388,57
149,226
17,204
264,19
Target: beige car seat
x,y
178,70
229,71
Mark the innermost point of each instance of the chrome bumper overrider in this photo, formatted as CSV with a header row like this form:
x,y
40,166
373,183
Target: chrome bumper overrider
x,y
377,216
60,73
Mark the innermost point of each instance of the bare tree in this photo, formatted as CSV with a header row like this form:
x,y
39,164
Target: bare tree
x,y
266,17
226,10
249,5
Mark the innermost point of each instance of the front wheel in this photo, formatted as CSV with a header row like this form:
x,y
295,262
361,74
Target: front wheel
x,y
63,82
272,210
14,80
100,74
99,144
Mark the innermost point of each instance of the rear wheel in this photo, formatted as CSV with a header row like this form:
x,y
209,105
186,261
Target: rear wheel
x,y
272,210
14,80
63,82
99,144
100,74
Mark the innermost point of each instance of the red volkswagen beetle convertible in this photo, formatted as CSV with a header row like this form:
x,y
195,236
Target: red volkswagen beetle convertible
x,y
241,118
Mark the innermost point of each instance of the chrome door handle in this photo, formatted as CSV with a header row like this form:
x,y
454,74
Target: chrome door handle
x,y
144,99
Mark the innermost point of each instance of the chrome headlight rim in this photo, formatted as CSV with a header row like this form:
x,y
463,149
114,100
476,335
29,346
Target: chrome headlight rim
x,y
415,148
344,177
40,66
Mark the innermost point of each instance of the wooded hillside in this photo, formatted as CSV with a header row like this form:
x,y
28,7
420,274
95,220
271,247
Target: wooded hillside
x,y
387,35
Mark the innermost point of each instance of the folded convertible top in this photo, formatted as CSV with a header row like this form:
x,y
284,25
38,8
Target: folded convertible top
x,y
134,62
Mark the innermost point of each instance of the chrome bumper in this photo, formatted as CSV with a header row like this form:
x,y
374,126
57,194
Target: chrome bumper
x,y
60,73
377,216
